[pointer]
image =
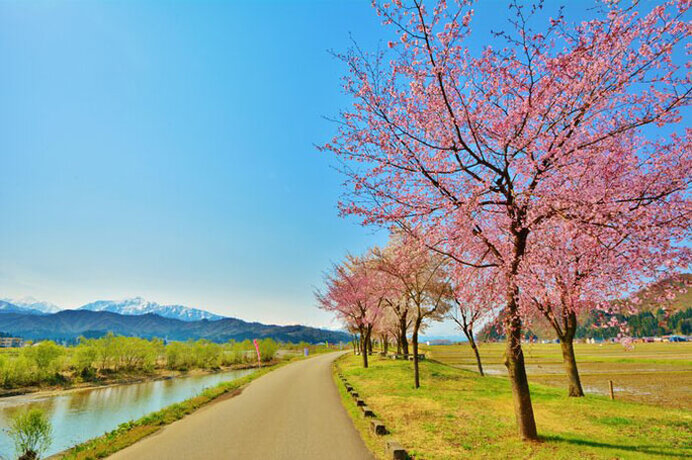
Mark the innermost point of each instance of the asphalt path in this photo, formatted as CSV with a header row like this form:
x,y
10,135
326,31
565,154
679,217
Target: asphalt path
x,y
292,413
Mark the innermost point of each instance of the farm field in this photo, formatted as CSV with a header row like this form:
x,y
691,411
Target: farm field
x,y
459,414
652,373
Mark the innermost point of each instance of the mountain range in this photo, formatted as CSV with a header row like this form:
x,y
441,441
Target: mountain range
x,y
32,319
133,306
140,306
7,307
70,324
29,304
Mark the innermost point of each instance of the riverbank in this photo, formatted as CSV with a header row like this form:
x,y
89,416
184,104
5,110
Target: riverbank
x,y
121,378
458,414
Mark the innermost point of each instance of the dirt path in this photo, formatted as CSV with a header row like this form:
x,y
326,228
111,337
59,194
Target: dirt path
x,y
292,413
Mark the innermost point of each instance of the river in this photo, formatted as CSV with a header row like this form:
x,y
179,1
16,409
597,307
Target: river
x,y
84,414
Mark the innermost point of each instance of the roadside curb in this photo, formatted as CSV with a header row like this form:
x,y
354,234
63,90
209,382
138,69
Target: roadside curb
x,y
394,449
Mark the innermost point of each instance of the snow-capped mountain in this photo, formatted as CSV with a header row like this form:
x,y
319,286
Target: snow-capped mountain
x,y
33,304
8,307
140,306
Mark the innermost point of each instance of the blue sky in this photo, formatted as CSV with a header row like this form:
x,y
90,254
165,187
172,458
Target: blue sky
x,y
166,150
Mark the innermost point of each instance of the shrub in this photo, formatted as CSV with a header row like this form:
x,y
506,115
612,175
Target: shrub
x,y
44,353
31,432
267,348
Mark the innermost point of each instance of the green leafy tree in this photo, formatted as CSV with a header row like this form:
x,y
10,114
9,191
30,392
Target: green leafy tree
x,y
31,432
268,349
44,353
84,357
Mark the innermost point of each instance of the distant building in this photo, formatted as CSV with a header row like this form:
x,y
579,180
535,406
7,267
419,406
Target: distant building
x,y
676,338
10,342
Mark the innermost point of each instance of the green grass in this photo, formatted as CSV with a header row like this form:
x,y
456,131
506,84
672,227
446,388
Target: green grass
x,y
458,414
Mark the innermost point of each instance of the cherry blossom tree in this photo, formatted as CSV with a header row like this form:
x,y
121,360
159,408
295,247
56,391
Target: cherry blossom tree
x,y
353,293
400,314
477,298
479,152
388,327
582,272
420,275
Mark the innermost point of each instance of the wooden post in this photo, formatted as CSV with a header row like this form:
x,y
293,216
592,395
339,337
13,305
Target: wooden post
x,y
610,384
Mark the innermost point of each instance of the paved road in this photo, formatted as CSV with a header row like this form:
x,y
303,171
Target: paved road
x,y
292,413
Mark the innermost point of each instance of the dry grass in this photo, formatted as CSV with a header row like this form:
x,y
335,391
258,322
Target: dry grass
x,y
653,373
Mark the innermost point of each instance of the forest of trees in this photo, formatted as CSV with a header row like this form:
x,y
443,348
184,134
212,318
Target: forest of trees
x,y
643,324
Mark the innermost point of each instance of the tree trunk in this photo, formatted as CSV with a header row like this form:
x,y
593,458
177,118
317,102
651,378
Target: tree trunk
x,y
29,454
472,342
364,347
402,334
514,360
398,346
416,373
385,344
565,332
567,345
369,344
575,388
514,355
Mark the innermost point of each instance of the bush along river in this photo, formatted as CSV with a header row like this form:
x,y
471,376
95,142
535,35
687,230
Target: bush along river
x,y
79,415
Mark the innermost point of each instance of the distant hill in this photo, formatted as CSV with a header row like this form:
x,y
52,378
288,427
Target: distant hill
x,y
650,295
656,316
140,306
70,324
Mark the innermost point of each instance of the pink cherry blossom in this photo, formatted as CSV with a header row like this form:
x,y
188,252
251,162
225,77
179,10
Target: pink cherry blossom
x,y
492,158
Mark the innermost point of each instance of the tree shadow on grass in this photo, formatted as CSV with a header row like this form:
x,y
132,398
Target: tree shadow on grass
x,y
640,448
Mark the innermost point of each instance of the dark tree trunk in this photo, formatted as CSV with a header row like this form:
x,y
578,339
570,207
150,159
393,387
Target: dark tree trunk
x,y
514,360
29,455
403,326
398,345
474,347
385,344
565,331
575,388
514,355
355,344
369,344
402,334
567,345
414,339
364,347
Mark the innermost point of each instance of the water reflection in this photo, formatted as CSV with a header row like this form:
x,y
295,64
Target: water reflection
x,y
81,415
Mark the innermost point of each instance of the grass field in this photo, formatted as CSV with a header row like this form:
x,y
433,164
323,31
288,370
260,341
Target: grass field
x,y
458,414
654,373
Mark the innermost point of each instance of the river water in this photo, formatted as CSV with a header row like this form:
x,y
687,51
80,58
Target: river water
x,y
84,414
